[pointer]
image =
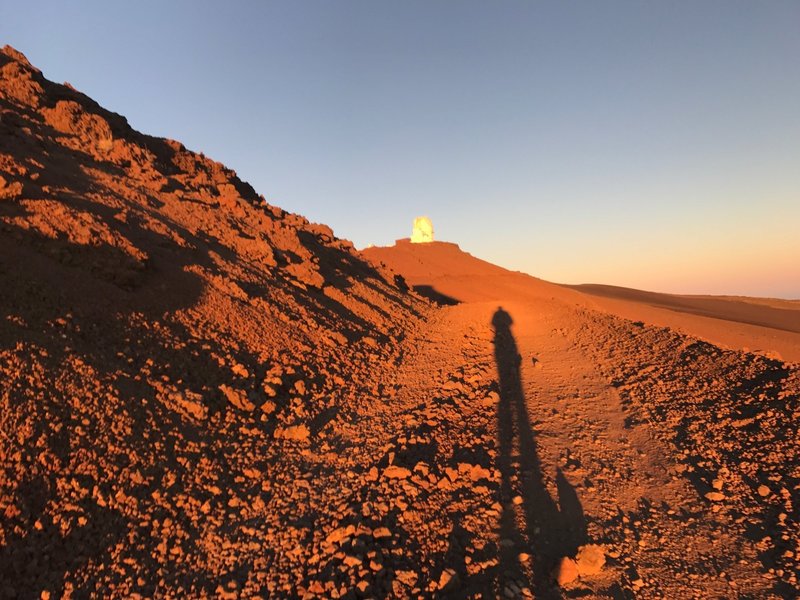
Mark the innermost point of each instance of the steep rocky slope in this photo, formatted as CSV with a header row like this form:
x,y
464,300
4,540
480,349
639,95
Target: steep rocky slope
x,y
180,361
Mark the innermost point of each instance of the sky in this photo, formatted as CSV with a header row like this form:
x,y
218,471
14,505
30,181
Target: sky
x,y
642,144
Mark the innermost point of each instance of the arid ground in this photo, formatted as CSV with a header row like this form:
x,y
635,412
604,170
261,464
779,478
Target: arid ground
x,y
203,395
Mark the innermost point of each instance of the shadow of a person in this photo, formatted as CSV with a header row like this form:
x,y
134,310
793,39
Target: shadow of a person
x,y
548,531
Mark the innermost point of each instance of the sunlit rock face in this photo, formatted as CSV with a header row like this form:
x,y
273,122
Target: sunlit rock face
x,y
423,231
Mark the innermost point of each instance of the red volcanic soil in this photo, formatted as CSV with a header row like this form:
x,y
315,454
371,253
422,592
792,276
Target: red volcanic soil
x,y
678,456
205,396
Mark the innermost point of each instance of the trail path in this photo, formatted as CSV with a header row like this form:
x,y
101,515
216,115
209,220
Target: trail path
x,y
570,464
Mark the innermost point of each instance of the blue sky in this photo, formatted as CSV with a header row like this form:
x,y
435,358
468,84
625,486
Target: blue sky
x,y
652,145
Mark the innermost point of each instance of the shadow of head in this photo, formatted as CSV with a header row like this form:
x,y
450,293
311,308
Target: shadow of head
x,y
501,320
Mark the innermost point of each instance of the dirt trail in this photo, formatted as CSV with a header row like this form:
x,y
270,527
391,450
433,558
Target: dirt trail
x,y
570,466
676,455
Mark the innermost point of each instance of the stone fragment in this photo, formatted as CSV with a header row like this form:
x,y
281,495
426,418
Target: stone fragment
x,y
240,370
293,432
352,561
395,472
237,397
567,571
448,579
491,399
192,404
316,588
340,533
590,559
478,472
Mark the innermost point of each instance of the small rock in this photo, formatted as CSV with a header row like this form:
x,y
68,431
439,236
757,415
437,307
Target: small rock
x,y
240,370
192,403
316,588
395,472
352,561
590,559
237,397
567,571
452,474
715,496
478,472
491,399
448,578
764,491
337,535
294,432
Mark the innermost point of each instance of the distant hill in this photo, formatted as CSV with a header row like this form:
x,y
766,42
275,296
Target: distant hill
x,y
443,271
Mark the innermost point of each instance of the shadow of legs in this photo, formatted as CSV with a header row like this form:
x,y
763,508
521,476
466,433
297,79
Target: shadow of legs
x,y
549,531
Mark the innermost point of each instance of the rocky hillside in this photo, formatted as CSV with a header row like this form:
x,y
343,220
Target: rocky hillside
x,y
174,354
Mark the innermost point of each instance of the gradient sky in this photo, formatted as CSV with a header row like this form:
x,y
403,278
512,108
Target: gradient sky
x,y
651,145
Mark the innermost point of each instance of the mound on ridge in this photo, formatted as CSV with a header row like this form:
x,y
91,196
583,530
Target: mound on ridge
x,y
448,275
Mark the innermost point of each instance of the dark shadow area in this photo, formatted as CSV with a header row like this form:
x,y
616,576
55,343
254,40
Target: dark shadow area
x,y
429,292
550,531
44,547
